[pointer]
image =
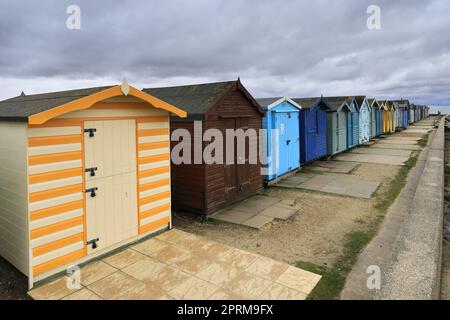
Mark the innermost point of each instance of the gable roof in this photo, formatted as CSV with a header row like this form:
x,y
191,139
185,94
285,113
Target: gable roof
x,y
336,102
38,108
359,101
372,102
308,103
21,107
197,99
269,103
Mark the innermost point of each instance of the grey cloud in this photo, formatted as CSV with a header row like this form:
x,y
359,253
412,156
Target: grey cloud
x,y
285,47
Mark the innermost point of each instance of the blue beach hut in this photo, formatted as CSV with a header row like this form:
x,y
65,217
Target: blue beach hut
x,y
313,128
353,124
337,121
378,115
282,122
364,111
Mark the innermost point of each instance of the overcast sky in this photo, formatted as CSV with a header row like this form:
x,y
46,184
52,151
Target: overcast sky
x,y
278,48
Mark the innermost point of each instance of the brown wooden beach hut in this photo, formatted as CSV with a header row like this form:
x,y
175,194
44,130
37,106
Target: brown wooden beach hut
x,y
205,188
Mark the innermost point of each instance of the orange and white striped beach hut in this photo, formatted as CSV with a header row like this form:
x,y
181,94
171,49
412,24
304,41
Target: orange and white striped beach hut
x,y
82,172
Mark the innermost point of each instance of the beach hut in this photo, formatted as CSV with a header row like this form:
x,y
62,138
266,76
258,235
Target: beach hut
x,y
386,117
281,123
76,176
411,114
203,187
417,113
353,124
375,118
402,113
407,114
365,122
313,128
392,116
337,124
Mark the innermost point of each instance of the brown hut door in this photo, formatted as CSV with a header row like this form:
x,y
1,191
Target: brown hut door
x,y
236,175
243,169
231,183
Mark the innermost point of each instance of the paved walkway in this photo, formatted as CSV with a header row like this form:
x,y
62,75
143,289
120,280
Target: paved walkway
x,y
257,211
373,158
334,166
180,265
341,184
411,147
379,251
387,152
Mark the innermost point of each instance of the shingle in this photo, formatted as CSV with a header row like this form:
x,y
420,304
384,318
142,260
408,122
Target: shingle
x,y
337,102
306,103
265,102
21,107
195,99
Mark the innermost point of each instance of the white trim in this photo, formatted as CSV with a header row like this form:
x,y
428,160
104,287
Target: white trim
x,y
281,100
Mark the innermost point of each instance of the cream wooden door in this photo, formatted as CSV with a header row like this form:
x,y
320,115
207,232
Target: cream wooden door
x,y
111,194
112,149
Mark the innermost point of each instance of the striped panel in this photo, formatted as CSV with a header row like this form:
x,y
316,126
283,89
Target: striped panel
x,y
55,165
146,153
153,147
155,225
41,268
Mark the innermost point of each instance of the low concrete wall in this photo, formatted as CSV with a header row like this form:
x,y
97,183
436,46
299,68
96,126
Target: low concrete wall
x,y
414,269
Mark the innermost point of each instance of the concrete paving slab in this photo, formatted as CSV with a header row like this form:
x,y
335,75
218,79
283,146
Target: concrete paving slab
x,y
279,212
265,210
380,152
401,142
411,147
258,221
344,185
236,275
334,166
255,204
233,215
415,133
409,139
371,158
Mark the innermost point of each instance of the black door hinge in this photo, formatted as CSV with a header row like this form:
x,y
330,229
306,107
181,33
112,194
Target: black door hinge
x,y
93,242
92,191
288,142
91,170
91,131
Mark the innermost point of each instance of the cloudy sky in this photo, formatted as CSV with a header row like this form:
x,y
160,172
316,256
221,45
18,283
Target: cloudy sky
x,y
285,47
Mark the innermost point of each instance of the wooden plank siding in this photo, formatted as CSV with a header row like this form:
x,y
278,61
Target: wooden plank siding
x,y
55,168
57,184
201,188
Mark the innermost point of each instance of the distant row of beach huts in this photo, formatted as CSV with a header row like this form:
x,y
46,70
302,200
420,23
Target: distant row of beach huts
x,y
325,126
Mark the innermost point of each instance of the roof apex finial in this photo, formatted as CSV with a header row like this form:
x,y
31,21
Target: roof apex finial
x,y
125,87
22,94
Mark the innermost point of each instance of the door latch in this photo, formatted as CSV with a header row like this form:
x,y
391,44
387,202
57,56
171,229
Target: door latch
x,y
92,191
93,242
91,170
288,142
91,131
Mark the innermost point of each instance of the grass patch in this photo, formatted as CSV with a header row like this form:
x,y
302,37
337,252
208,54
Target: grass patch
x,y
333,278
424,141
386,199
